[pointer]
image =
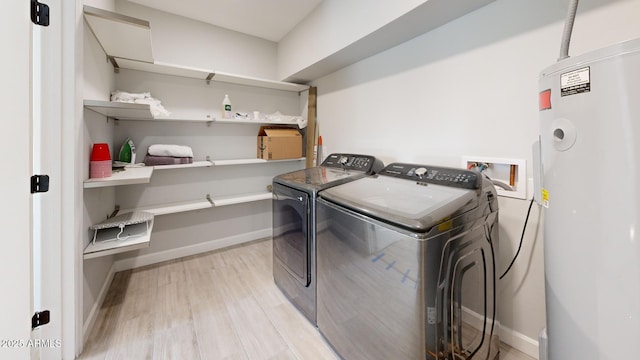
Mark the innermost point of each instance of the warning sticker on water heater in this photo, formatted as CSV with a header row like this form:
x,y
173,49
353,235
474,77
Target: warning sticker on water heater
x,y
575,82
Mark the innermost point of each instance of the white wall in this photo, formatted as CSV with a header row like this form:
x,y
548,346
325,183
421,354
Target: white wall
x,y
97,203
470,88
339,33
340,28
186,42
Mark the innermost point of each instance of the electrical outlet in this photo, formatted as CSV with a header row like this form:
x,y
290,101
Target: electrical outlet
x,y
508,175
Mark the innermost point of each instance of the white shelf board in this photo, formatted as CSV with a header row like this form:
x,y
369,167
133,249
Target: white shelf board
x,y
119,110
204,74
283,160
174,118
178,207
104,248
129,111
173,208
254,122
237,162
164,68
135,112
239,199
130,175
249,161
195,164
253,81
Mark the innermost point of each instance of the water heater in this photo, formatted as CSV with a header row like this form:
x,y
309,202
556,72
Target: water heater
x,y
590,186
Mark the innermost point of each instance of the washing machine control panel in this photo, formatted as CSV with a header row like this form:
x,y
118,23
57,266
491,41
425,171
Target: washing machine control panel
x,y
425,174
364,163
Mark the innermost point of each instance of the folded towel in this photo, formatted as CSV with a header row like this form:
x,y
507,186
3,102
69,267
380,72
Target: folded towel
x,y
151,160
170,150
278,116
123,96
155,106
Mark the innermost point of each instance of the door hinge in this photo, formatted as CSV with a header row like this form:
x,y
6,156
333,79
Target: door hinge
x,y
40,318
39,183
39,13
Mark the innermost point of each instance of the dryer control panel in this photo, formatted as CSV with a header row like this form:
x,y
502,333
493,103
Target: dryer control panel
x,y
365,163
426,174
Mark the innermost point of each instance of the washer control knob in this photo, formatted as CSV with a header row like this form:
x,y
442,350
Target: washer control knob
x,y
344,162
420,172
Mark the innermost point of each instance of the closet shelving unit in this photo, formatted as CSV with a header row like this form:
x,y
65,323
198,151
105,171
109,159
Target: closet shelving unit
x,y
127,43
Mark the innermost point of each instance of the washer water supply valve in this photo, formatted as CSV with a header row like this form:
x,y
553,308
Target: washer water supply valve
x,y
508,175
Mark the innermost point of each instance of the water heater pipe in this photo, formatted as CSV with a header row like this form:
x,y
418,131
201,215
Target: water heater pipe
x,y
568,28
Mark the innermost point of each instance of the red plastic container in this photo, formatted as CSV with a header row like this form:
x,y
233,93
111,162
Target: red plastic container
x,y
100,162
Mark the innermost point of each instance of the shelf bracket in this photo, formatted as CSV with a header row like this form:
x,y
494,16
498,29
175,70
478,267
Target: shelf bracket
x,y
116,67
115,212
209,77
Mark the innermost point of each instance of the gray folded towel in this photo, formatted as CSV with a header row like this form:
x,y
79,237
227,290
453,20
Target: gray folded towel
x,y
151,160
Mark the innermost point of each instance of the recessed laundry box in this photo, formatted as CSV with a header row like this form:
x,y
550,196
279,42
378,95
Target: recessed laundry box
x,y
276,143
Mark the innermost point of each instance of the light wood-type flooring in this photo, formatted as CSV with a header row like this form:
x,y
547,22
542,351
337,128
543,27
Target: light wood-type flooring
x,y
217,305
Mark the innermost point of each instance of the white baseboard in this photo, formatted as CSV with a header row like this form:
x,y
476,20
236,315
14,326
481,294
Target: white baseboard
x,y
95,309
519,341
507,335
153,258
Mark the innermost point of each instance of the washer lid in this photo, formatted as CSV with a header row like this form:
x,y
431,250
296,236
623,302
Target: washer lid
x,y
317,178
405,203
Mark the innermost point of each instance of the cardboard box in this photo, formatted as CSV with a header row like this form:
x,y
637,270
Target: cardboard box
x,y
276,143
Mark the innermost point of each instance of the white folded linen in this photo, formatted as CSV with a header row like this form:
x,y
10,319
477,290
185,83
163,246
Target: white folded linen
x,y
155,105
278,116
123,96
170,150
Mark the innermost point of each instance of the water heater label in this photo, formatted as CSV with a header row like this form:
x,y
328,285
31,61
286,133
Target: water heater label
x,y
575,82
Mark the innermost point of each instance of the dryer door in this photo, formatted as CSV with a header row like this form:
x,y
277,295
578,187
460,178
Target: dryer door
x,y
290,231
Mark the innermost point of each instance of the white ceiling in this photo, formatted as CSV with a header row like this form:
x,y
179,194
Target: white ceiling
x,y
267,19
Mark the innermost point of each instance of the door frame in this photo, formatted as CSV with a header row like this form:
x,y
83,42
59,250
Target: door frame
x,y
61,262
47,124
71,178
